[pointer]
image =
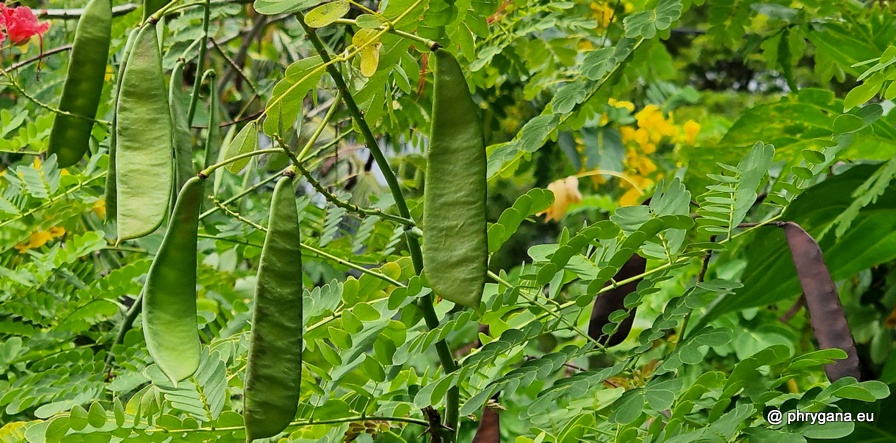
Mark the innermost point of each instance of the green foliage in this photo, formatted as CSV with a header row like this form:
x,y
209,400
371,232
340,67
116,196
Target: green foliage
x,y
729,114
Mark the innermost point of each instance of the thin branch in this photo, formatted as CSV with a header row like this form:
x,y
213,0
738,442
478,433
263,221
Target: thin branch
x,y
126,325
243,119
200,62
73,14
261,21
241,194
313,250
362,212
38,57
230,429
800,302
41,104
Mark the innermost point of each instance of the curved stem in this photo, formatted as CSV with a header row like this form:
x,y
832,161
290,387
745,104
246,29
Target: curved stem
x,y
200,63
126,325
209,170
315,251
390,29
37,102
348,206
320,128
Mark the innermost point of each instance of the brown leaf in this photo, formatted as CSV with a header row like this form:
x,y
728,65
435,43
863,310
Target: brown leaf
x,y
823,302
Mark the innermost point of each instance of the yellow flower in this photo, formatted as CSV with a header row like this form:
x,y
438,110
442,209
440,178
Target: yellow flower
x,y
627,133
648,117
109,73
645,166
603,13
691,129
565,191
99,207
40,238
633,195
642,165
621,104
642,137
36,162
37,239
584,45
648,148
64,171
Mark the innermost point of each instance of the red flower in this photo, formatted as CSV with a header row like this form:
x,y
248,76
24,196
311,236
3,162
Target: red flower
x,y
20,23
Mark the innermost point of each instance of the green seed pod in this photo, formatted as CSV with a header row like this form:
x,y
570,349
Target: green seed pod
x,y
825,310
455,240
70,136
111,190
274,367
144,158
169,300
183,137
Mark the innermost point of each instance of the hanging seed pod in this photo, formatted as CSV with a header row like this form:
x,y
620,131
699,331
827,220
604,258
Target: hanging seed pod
x,y
825,311
614,300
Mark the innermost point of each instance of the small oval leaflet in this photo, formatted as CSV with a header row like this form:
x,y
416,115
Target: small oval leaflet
x,y
368,21
326,14
245,141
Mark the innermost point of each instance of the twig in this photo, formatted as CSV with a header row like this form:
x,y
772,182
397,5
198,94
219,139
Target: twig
x,y
53,200
126,325
38,57
362,212
313,250
261,21
797,305
71,14
246,118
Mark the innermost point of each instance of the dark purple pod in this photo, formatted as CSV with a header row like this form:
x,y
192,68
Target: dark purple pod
x,y
825,311
614,300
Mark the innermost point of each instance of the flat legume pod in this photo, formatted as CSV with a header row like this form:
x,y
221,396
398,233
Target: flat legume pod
x,y
144,158
111,190
70,136
825,311
455,240
611,301
169,300
274,367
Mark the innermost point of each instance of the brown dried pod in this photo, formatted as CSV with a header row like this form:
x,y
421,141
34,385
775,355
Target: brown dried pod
x,y
614,300
825,311
489,427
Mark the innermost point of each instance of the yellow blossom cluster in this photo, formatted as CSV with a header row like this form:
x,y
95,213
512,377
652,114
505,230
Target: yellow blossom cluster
x,y
40,238
650,130
99,208
603,11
